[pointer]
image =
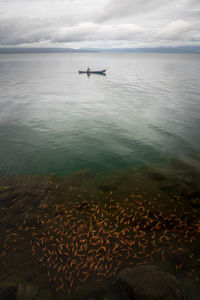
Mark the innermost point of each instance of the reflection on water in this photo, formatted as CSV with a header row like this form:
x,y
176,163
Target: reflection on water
x,y
100,74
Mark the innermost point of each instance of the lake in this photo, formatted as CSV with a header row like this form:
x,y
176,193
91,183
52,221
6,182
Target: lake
x,y
98,173
145,111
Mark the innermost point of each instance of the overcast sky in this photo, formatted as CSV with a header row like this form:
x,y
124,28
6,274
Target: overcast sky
x,y
99,23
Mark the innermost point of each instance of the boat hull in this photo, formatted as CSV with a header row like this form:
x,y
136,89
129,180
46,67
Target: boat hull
x,y
93,72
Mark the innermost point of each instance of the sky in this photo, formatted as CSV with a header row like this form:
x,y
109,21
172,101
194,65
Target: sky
x,y
99,23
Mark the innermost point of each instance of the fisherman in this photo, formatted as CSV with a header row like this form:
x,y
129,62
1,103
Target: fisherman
x,y
88,70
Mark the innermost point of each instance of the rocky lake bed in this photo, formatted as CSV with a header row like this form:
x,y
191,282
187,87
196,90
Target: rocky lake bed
x,y
73,237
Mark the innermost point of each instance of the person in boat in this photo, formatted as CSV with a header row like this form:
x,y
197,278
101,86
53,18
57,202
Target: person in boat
x,y
88,70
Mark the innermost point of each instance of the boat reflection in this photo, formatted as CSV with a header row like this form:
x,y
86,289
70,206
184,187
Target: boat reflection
x,y
101,74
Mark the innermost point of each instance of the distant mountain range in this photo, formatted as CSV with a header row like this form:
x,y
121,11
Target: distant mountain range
x,y
41,50
181,49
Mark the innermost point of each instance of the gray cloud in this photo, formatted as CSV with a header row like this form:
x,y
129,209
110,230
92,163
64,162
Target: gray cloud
x,y
194,3
119,9
28,31
178,29
106,23
91,31
18,31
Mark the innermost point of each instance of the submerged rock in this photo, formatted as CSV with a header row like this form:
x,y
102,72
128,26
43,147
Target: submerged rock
x,y
107,187
26,291
43,294
195,203
155,175
170,187
149,283
194,198
12,290
8,293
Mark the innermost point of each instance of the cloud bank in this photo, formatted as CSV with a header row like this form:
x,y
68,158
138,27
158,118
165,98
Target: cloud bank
x,y
91,23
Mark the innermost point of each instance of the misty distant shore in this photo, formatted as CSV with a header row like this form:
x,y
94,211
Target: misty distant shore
x,y
181,49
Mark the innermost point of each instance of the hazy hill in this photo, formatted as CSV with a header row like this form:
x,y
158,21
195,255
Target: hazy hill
x,y
181,49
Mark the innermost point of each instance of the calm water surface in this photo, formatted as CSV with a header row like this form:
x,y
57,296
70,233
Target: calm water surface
x,y
145,111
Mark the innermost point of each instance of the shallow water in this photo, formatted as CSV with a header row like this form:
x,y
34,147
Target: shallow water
x,y
94,226
144,112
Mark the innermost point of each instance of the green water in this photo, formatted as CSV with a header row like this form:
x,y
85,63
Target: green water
x,y
53,120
